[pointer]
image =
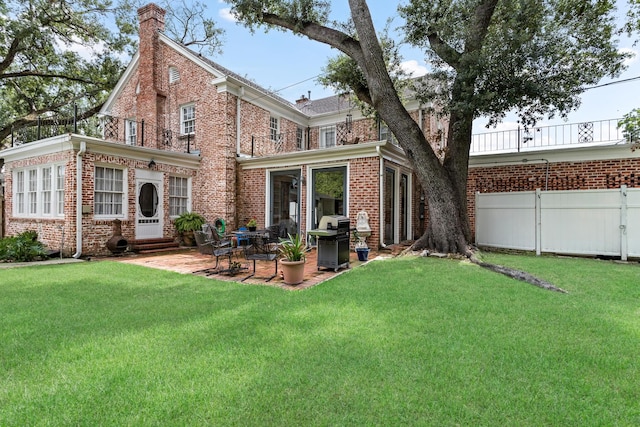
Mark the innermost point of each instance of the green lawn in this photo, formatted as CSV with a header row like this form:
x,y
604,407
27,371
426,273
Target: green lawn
x,y
409,341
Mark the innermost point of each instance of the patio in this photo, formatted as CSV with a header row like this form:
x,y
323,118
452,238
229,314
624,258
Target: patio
x,y
189,260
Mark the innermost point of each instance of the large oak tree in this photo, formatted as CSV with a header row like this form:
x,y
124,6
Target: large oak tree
x,y
488,57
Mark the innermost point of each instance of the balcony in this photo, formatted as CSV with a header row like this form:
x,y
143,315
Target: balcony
x,y
112,129
548,137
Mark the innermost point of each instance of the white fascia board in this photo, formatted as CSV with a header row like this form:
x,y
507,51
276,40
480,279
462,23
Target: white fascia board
x,y
122,82
556,155
67,142
43,147
322,155
260,99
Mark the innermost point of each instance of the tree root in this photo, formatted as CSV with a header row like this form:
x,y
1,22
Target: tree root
x,y
507,271
515,274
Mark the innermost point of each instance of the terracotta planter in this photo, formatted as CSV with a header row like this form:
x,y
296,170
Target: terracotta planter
x,y
187,238
292,271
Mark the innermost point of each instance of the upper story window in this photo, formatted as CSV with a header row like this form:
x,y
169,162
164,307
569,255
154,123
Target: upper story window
x,y
384,133
300,138
109,191
328,137
274,127
174,75
178,195
130,131
187,119
38,193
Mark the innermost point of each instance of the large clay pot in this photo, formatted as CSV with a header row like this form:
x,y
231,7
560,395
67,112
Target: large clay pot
x,y
292,271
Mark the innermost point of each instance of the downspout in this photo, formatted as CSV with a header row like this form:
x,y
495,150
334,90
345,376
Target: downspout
x,y
380,198
83,149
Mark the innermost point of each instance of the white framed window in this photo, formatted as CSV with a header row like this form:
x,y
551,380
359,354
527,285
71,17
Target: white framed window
x,y
18,192
328,137
32,192
131,128
300,138
37,193
274,127
384,133
45,185
109,192
179,190
59,189
187,119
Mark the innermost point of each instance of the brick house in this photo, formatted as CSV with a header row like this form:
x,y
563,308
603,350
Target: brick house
x,y
182,133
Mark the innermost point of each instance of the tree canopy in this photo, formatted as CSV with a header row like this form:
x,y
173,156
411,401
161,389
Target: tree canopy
x,y
487,56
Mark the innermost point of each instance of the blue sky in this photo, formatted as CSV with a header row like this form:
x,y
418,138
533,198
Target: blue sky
x,y
289,64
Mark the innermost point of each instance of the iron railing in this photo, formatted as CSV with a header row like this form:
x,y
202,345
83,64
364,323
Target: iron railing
x,y
109,128
572,134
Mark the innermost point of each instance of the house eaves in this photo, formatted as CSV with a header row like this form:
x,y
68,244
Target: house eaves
x,y
325,155
70,141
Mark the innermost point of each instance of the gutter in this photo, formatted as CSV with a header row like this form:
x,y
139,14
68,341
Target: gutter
x,y
83,149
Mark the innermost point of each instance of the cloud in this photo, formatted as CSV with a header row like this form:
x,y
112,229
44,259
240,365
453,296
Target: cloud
x,y
414,69
225,13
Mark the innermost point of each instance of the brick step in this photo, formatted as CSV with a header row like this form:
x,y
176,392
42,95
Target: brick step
x,y
154,245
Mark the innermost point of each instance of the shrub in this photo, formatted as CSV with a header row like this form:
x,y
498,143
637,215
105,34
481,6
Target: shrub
x,y
24,247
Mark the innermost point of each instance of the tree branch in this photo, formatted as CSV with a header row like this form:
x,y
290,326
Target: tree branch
x,y
29,73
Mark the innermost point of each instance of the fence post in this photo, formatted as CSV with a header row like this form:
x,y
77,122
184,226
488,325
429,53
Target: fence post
x,y
538,221
475,217
624,248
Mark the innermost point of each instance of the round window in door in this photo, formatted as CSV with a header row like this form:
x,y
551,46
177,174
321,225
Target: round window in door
x,y
148,200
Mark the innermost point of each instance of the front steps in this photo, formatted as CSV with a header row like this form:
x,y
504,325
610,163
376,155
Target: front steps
x,y
147,246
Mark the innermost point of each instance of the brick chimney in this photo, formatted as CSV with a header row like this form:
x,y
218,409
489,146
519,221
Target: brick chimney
x,y
150,100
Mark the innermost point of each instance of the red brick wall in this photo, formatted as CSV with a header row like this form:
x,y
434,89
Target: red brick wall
x,y
587,175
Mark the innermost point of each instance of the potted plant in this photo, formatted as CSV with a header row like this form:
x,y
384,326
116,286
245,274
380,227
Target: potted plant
x,y
187,223
293,250
361,246
252,224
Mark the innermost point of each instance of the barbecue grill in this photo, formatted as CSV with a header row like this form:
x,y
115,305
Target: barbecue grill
x,y
333,241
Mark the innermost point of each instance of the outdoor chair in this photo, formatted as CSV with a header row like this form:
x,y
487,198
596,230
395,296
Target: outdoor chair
x,y
216,247
261,249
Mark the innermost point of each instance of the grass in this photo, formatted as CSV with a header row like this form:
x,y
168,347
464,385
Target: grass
x,y
409,341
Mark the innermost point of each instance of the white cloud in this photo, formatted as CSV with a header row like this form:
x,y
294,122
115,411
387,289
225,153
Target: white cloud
x,y
631,60
414,69
225,13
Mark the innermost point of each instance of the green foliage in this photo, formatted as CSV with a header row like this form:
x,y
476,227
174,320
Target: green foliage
x,y
23,247
189,221
630,124
534,57
293,248
57,54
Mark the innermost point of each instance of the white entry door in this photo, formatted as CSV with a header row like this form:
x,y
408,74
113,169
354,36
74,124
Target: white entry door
x,y
149,203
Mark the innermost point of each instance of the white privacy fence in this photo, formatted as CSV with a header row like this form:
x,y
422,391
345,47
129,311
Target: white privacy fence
x,y
583,222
